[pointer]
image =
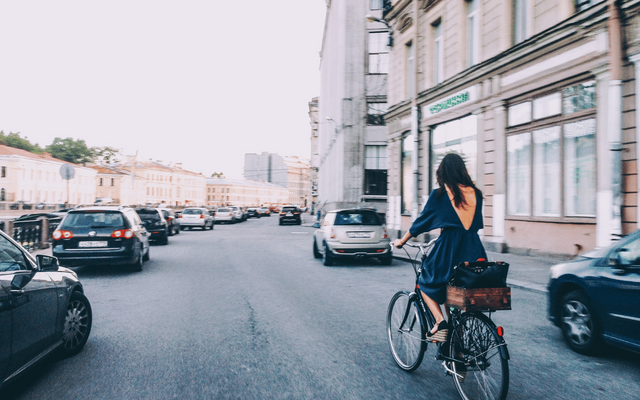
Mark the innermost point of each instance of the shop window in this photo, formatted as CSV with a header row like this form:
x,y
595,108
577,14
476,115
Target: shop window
x,y
407,174
520,20
378,52
551,162
375,172
375,113
459,136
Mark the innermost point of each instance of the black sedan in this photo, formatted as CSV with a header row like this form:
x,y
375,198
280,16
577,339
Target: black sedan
x,y
42,310
594,298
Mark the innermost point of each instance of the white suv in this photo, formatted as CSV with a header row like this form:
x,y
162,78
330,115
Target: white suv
x,y
238,213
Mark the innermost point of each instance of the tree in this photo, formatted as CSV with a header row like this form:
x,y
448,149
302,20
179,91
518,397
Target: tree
x,y
106,155
73,151
18,142
217,175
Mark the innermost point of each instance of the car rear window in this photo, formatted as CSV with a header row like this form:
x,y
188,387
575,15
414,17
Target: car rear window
x,y
223,210
93,219
192,211
289,209
149,215
357,218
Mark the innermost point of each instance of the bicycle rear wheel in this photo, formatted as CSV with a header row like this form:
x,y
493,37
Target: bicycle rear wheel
x,y
405,331
475,341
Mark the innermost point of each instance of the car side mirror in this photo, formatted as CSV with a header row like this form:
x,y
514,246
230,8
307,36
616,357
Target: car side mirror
x,y
19,281
47,263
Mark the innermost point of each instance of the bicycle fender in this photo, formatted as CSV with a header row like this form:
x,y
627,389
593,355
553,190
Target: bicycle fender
x,y
504,352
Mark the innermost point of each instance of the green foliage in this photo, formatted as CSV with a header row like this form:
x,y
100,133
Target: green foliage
x,y
106,155
18,142
73,151
217,175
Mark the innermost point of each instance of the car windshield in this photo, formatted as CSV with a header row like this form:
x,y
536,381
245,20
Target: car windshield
x,y
149,215
357,218
100,219
223,210
192,211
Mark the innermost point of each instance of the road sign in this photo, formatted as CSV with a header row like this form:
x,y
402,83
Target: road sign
x,y
67,171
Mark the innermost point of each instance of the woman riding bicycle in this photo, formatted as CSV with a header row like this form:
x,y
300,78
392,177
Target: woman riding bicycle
x,y
455,208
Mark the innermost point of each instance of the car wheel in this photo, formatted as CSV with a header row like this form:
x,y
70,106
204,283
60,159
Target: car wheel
x,y
386,260
165,239
170,231
316,252
183,228
279,222
212,224
327,259
177,230
579,326
77,325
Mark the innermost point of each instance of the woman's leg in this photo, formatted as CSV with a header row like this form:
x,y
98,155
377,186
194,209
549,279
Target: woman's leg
x,y
434,307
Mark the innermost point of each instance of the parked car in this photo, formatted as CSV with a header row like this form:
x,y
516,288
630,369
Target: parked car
x,y
154,222
238,213
172,220
264,211
594,298
43,309
352,233
252,212
290,214
25,205
101,235
196,217
225,214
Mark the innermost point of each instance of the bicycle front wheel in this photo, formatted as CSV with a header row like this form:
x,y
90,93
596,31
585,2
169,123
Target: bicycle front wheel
x,y
405,331
483,370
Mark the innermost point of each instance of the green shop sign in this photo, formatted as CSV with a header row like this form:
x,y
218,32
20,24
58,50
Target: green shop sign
x,y
450,102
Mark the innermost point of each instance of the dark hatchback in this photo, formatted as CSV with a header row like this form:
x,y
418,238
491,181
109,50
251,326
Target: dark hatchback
x,y
172,220
595,299
42,310
101,235
154,222
290,214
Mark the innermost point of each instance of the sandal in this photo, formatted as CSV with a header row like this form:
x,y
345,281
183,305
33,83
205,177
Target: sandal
x,y
440,335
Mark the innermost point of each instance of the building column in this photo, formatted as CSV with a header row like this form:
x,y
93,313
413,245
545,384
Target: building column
x,y
426,143
500,175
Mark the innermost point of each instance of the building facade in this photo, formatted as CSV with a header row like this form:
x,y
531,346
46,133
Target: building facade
x,y
266,167
352,167
539,99
120,185
315,159
34,178
298,183
244,193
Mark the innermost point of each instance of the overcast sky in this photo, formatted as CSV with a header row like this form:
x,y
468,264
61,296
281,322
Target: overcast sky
x,y
192,81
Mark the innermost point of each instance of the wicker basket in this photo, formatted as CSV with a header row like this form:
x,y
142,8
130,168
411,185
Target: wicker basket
x,y
482,299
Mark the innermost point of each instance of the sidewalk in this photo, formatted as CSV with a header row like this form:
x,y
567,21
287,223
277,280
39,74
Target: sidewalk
x,y
531,273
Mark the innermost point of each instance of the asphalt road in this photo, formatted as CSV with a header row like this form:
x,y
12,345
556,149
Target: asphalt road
x,y
246,312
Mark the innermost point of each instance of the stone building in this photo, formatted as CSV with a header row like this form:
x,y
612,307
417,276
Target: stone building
x,y
352,169
537,96
315,159
244,193
298,182
34,178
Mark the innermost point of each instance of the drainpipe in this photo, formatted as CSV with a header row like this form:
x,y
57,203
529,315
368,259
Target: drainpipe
x,y
415,118
615,117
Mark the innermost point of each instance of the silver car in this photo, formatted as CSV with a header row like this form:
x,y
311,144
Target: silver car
x,y
196,217
225,214
352,233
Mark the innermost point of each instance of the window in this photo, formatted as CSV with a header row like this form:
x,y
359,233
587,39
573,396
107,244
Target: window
x,y
376,5
3,194
459,136
438,53
473,32
407,174
375,170
551,156
520,20
100,182
378,52
375,113
584,4
4,172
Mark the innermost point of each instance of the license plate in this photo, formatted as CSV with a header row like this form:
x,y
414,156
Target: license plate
x,y
359,234
93,244
289,215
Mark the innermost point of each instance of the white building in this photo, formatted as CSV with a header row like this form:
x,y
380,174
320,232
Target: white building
x,y
244,193
36,178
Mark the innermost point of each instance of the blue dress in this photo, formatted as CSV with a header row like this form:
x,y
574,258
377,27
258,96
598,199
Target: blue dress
x,y
455,244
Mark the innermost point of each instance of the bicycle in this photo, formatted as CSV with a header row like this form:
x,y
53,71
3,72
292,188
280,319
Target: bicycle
x,y
475,353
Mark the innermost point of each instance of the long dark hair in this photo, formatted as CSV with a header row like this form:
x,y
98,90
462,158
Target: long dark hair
x,y
452,172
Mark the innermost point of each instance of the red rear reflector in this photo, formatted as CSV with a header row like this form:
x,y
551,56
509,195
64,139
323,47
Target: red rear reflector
x,y
379,251
500,331
340,251
482,259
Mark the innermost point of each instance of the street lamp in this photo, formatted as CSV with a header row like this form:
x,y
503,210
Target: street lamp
x,y
371,18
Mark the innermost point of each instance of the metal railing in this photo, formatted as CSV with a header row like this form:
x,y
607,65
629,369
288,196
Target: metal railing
x,y
28,234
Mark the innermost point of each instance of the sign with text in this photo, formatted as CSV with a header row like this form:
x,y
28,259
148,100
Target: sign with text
x,y
464,96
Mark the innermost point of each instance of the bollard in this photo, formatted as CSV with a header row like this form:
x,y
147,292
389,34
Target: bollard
x,y
44,233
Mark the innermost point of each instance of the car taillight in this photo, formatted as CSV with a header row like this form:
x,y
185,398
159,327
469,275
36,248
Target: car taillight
x,y
180,216
283,213
296,213
385,236
58,234
169,219
333,234
201,216
122,233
